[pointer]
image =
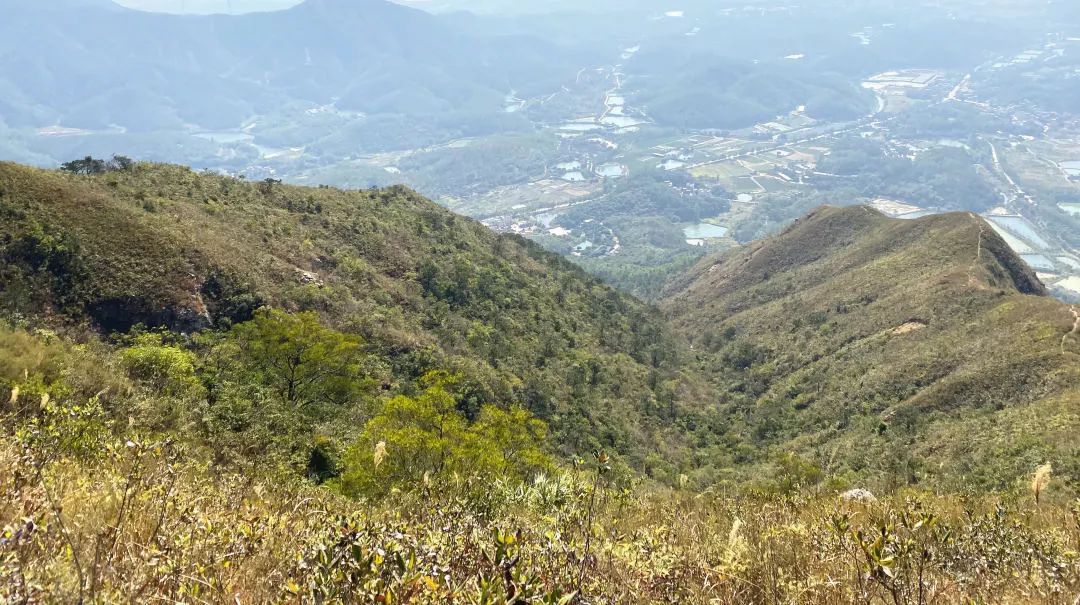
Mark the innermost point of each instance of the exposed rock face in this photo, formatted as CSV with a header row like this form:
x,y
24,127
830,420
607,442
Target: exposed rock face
x,y
308,277
120,315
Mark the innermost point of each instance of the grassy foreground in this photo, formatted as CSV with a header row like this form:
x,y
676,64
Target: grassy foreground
x,y
91,517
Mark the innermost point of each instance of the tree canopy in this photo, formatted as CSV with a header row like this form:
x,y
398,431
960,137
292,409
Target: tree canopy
x,y
414,440
305,362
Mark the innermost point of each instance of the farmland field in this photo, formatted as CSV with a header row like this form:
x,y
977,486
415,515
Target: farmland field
x,y
721,171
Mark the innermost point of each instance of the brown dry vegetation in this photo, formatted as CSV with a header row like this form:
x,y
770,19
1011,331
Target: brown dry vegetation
x,y
140,522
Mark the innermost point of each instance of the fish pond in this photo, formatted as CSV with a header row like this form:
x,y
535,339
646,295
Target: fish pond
x,y
704,231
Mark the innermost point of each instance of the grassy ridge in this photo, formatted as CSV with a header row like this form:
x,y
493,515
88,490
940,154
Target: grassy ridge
x,y
907,350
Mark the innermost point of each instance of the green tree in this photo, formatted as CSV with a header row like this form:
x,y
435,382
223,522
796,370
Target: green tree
x,y
513,440
165,368
85,166
306,363
415,440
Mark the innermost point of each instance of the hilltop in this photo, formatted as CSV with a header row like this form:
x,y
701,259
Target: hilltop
x,y
921,350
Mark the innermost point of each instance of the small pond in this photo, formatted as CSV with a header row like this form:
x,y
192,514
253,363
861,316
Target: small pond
x,y
704,231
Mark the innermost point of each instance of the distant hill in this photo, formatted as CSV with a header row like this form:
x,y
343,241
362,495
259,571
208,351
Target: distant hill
x,y
209,6
914,351
701,91
92,65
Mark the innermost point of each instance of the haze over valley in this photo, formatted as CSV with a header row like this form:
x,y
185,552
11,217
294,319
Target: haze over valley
x,y
558,121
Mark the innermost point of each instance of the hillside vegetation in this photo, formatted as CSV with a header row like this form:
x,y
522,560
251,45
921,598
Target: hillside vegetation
x,y
137,520
98,509
850,349
414,288
215,391
914,351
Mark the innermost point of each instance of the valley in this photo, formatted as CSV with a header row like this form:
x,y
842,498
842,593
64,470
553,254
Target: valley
x,y
563,163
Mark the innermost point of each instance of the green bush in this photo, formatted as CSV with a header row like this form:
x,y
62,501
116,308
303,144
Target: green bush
x,y
414,441
309,365
167,369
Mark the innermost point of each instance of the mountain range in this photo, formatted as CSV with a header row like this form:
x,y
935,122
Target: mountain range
x,y
93,65
885,351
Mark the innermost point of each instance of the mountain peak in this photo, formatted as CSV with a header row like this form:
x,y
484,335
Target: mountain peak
x,y
851,324
832,241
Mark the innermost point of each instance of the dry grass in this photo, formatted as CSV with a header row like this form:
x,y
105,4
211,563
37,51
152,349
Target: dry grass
x,y
143,523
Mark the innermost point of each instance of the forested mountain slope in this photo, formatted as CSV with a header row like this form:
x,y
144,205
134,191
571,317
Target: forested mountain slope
x,y
874,350
163,247
912,350
238,392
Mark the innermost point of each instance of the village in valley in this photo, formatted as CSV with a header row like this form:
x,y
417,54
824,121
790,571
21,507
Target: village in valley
x,y
606,168
777,161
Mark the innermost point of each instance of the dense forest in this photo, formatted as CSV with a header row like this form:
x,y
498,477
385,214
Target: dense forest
x,y
940,177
